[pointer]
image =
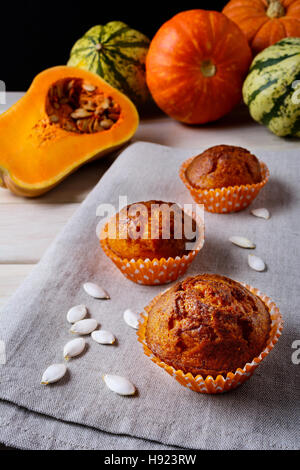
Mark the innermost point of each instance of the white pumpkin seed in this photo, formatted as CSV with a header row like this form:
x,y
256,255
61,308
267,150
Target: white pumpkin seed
x,y
88,87
84,327
256,263
106,123
103,337
105,104
54,118
261,212
76,313
242,242
95,291
131,318
119,384
53,373
80,113
70,84
74,348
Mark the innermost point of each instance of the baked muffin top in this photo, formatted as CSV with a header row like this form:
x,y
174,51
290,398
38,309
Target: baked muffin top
x,y
150,229
222,166
208,325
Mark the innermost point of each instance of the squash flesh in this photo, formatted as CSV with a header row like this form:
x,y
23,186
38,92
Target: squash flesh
x,y
32,161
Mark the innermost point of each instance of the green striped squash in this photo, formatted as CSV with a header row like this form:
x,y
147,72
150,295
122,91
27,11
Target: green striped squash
x,y
272,88
117,53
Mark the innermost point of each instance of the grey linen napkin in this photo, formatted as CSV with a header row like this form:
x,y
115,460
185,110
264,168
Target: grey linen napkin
x,y
261,414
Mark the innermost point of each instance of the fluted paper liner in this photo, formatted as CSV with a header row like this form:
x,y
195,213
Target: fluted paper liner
x,y
224,200
233,379
156,271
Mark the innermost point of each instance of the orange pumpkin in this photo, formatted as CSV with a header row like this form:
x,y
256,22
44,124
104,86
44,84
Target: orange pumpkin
x,y
265,22
196,64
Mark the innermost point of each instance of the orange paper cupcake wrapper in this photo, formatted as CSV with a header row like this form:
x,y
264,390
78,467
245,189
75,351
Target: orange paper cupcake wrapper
x,y
156,271
224,200
233,379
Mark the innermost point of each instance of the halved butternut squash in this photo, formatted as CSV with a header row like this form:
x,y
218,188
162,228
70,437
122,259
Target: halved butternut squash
x,y
67,117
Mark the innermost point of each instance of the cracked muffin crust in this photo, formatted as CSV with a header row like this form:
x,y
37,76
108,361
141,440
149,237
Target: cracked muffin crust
x,y
137,223
208,325
222,166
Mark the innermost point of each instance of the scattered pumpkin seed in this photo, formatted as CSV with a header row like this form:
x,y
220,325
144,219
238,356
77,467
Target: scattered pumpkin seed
x,y
90,106
105,104
54,118
53,373
256,263
119,385
80,113
74,348
97,127
103,337
106,123
131,318
83,125
76,313
261,212
84,327
242,242
70,84
95,291
88,87
70,126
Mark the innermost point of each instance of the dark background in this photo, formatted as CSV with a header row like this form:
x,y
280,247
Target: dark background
x,y
35,35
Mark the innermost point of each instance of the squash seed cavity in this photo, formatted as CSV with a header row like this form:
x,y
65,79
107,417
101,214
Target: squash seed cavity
x,y
78,106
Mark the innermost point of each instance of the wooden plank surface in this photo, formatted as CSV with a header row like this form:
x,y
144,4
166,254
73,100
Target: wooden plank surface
x,y
237,128
26,231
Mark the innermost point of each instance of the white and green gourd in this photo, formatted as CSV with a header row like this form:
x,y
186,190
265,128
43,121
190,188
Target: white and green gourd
x,y
117,53
272,88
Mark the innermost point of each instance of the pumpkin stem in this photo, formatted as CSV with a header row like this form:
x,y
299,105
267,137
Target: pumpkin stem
x,y
208,68
275,9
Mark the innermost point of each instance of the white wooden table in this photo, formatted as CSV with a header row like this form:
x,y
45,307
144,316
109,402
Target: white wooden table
x,y
27,226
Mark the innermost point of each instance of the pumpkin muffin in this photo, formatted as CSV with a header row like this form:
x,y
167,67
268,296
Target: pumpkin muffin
x,y
222,166
149,230
207,325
